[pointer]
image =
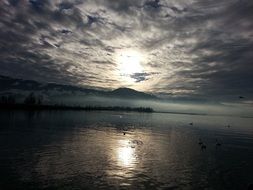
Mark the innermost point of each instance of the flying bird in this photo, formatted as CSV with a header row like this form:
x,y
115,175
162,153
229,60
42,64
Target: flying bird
x,y
217,143
203,147
200,142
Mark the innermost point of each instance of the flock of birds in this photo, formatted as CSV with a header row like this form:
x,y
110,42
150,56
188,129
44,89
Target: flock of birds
x,y
202,144
218,144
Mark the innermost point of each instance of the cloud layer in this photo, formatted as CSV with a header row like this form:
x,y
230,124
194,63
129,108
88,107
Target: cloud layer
x,y
191,48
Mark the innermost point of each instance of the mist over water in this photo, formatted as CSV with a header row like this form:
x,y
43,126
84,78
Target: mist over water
x,y
163,105
88,150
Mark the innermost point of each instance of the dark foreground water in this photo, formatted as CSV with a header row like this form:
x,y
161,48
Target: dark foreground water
x,y
88,150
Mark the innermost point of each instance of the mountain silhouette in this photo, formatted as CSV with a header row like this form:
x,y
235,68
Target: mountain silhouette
x,y
130,93
10,85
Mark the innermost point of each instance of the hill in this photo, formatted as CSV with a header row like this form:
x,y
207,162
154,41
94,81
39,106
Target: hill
x,y
21,87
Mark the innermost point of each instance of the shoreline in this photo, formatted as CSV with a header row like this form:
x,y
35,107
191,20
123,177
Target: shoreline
x,y
56,107
73,108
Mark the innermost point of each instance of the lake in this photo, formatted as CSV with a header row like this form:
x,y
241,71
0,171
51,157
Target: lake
x,y
116,150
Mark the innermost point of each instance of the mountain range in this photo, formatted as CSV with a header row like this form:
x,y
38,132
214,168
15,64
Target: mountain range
x,y
21,87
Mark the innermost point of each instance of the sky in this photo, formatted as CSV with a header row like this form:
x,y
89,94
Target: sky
x,y
195,49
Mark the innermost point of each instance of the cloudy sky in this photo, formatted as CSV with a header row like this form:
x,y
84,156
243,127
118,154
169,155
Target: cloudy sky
x,y
182,48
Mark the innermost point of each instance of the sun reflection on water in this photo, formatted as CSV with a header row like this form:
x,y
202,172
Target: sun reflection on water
x,y
126,154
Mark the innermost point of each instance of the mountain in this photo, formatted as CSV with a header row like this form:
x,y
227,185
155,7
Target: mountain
x,y
130,93
20,87
7,84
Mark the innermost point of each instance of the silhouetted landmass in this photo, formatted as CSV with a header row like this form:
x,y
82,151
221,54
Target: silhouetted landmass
x,y
33,102
19,86
130,93
7,100
187,113
31,99
35,107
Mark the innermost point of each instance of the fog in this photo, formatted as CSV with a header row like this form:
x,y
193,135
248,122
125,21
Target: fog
x,y
162,105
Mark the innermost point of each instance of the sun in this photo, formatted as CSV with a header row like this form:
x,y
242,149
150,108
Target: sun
x,y
129,62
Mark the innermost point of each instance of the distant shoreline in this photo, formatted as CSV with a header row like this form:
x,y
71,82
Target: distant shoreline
x,y
73,108
56,107
184,113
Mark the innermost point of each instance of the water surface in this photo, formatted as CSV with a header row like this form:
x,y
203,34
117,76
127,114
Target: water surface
x,y
88,150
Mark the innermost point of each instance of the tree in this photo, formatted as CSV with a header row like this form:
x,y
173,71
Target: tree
x,y
11,99
3,100
39,100
8,99
30,99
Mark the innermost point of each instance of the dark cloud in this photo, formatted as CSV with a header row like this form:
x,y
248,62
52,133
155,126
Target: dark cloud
x,y
66,5
138,77
14,2
122,6
65,31
153,4
40,5
198,49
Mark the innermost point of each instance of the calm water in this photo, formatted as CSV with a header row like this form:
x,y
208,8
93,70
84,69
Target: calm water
x,y
88,150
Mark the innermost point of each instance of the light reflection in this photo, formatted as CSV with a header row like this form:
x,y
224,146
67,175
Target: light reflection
x,y
126,154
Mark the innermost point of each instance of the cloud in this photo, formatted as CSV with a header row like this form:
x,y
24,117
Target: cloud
x,y
155,4
139,77
197,49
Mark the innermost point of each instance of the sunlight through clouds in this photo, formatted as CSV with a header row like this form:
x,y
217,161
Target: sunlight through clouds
x,y
180,47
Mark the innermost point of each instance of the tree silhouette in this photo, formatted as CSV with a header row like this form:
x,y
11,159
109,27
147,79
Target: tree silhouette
x,y
30,99
39,100
8,99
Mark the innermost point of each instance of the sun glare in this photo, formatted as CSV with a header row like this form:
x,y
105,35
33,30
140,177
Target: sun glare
x,y
125,154
129,62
